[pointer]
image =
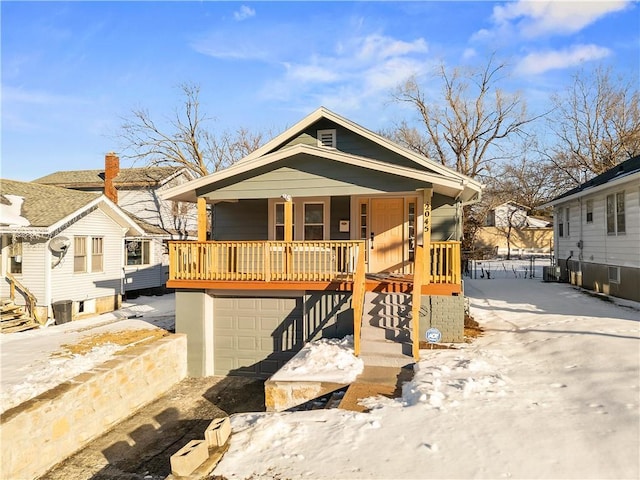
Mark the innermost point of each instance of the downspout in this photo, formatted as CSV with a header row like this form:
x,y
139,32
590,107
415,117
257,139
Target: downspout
x,y
48,268
580,246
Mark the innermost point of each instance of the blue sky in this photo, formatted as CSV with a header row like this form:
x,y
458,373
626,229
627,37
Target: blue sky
x,y
72,70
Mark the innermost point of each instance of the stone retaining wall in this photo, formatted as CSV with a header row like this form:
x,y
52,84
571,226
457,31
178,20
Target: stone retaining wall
x,y
40,433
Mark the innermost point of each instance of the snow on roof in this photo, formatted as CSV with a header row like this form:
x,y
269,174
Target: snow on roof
x,y
11,212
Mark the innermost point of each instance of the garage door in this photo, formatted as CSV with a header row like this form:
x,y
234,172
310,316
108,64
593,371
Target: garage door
x,y
256,336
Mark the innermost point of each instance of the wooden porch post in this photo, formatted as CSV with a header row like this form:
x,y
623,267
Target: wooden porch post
x,y
427,194
288,220
202,219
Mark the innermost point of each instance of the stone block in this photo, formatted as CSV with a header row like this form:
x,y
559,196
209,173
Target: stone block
x,y
189,457
218,432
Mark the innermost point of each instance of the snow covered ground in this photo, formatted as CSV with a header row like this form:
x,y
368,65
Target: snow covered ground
x,y
35,361
550,391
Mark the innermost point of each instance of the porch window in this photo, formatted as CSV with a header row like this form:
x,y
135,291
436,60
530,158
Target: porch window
x,y
79,254
363,221
279,222
15,256
327,138
412,230
138,252
616,223
314,221
97,254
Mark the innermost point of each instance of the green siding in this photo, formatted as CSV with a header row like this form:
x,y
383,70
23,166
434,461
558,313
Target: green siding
x,y
443,222
244,220
304,175
340,210
349,142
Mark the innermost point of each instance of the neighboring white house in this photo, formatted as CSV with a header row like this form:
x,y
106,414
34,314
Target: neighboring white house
x,y
137,191
63,245
597,232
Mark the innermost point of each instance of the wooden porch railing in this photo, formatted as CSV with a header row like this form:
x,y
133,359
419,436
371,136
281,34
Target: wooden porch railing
x,y
32,301
445,263
264,261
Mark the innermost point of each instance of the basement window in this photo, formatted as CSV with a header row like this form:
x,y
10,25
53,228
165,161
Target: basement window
x,y
327,138
614,274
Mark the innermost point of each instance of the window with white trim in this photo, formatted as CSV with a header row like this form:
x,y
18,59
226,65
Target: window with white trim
x,y
79,254
15,256
314,221
589,211
560,221
97,254
327,138
137,252
616,223
279,221
567,216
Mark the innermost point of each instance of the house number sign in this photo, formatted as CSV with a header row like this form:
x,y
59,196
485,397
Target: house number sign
x,y
426,215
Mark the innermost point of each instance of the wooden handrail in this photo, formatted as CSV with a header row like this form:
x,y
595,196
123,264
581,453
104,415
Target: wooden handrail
x,y
357,299
416,298
32,301
445,263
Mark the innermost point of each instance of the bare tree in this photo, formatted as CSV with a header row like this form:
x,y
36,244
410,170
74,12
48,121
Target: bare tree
x,y
597,124
467,122
185,139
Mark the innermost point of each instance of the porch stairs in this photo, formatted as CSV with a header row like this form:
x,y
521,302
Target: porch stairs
x,y
14,318
385,348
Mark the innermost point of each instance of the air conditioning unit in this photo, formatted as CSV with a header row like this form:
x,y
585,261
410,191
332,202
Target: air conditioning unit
x,y
551,274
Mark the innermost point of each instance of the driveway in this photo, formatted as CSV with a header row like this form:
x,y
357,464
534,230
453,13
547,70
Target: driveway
x,y
141,446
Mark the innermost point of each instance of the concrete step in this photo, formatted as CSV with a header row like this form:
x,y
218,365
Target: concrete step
x,y
374,381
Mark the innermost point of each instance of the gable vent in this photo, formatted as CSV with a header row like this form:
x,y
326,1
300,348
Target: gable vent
x,y
327,138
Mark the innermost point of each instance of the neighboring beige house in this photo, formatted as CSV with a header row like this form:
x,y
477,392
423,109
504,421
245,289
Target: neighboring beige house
x,y
510,230
63,245
137,191
597,232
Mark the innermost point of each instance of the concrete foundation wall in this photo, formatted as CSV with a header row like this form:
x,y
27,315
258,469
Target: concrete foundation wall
x,y
43,431
594,276
446,313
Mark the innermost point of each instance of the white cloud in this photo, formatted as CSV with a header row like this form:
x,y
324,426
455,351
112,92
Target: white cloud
x,y
540,62
354,70
535,18
244,13
311,73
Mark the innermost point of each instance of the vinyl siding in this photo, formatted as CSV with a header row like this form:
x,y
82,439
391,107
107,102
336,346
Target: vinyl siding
x,y
600,247
154,275
33,265
67,285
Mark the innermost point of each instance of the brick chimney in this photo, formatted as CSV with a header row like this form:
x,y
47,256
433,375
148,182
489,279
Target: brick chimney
x,y
111,170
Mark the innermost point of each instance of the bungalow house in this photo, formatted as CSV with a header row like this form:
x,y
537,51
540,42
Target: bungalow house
x,y
137,191
509,230
301,228
62,245
597,232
